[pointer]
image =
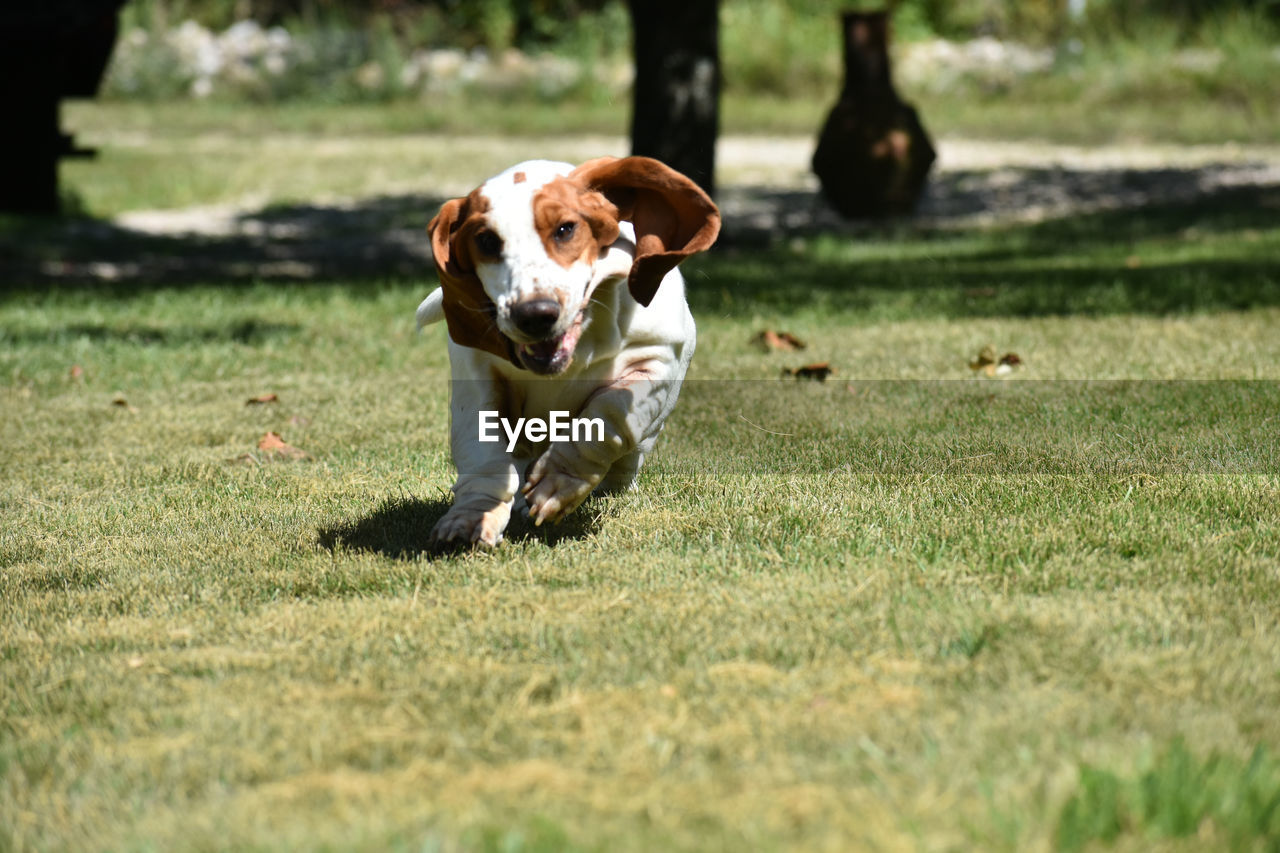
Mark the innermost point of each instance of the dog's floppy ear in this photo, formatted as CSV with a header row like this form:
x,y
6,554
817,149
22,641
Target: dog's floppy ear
x,y
468,311
672,216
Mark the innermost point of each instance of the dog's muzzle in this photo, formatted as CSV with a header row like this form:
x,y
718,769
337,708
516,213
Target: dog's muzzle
x,y
550,355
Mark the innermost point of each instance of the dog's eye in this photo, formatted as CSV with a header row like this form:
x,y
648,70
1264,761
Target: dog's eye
x,y
488,244
565,231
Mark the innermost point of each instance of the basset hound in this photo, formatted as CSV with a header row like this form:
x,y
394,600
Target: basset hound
x,y
559,288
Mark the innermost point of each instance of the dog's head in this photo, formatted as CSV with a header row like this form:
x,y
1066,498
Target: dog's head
x,y
517,257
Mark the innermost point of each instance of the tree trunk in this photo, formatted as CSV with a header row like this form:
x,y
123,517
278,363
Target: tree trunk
x,y
50,50
873,155
676,109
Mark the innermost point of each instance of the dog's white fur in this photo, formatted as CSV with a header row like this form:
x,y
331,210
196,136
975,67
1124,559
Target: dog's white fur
x,y
625,369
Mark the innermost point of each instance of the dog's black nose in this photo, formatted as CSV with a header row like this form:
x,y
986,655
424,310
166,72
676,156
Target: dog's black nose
x,y
536,317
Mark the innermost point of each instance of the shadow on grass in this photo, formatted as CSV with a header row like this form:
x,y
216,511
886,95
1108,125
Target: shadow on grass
x,y
1107,241
375,239
60,579
1214,253
250,332
400,528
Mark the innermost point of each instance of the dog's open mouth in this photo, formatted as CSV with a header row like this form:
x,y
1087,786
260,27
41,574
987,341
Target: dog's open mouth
x,y
552,355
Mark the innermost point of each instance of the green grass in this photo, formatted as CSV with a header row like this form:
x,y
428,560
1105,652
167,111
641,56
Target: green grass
x,y
1224,801
896,613
906,608
1098,99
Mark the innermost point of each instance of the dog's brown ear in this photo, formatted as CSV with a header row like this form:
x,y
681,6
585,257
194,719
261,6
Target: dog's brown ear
x,y
468,311
672,216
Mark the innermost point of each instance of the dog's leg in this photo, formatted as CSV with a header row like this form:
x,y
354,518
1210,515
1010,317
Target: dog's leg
x,y
633,413
473,520
622,474
487,475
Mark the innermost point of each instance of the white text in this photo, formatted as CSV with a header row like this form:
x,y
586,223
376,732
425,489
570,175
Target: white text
x,y
560,427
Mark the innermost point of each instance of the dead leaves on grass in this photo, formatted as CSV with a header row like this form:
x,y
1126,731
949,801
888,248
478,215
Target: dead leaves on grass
x,y
817,372
769,340
120,402
987,364
271,446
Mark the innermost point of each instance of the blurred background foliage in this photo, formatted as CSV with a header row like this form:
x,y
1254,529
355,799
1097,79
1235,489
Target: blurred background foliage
x,y
955,56
530,24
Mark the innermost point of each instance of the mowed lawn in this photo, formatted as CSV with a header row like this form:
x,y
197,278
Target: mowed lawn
x,y
909,607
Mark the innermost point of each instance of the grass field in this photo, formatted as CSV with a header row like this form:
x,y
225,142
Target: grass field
x,y
906,608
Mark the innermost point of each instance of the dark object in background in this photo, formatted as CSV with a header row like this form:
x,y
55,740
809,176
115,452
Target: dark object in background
x,y
675,114
873,155
49,50
817,372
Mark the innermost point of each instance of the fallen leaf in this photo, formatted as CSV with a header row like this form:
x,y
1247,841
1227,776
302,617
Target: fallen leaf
x,y
768,339
1003,367
987,364
818,371
77,373
1133,262
986,356
261,399
274,446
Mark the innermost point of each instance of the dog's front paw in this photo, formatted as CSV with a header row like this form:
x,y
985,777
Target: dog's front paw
x,y
553,490
463,525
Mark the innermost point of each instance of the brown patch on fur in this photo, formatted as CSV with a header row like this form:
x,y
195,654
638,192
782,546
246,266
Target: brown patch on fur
x,y
519,178
595,220
469,313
